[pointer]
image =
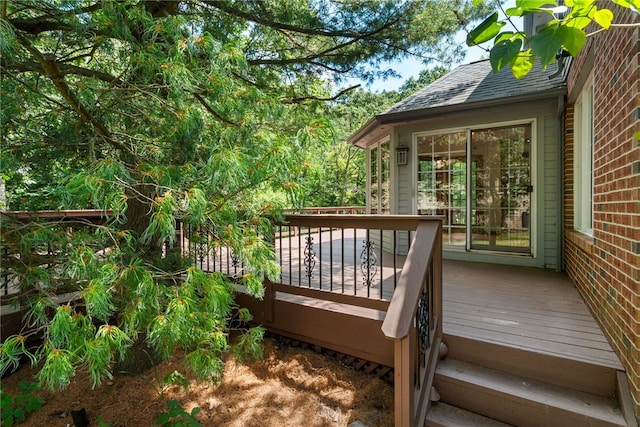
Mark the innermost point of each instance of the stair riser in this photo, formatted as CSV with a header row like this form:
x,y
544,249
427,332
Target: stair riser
x,y
511,409
574,374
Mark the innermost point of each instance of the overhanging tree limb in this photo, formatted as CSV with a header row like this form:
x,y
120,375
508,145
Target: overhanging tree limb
x,y
51,71
213,112
299,99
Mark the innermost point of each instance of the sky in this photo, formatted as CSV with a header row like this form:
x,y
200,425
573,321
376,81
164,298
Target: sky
x,y
411,67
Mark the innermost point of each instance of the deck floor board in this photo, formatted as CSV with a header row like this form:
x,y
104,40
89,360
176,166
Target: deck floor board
x,y
522,307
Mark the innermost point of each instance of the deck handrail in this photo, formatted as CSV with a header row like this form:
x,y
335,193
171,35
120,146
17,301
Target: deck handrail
x,y
416,306
402,307
386,222
327,210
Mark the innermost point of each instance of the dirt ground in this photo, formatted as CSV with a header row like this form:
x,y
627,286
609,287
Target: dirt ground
x,y
288,387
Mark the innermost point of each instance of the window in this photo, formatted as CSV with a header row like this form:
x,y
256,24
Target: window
x,y
583,160
442,182
379,175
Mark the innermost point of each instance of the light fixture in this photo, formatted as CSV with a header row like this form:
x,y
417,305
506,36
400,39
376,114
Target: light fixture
x,y
401,155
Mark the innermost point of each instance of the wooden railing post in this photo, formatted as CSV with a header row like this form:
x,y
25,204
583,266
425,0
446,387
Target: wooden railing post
x,y
414,315
268,301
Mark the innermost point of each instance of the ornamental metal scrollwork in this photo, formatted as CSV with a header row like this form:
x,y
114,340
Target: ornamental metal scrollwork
x,y
422,319
309,257
369,260
235,260
201,246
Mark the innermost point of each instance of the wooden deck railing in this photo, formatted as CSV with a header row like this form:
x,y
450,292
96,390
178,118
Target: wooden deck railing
x,y
365,285
336,210
414,322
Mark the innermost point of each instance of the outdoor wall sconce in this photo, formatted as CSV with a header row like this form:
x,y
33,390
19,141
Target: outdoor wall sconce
x,y
401,155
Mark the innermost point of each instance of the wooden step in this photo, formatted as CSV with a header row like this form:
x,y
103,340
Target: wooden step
x,y
595,378
443,415
521,401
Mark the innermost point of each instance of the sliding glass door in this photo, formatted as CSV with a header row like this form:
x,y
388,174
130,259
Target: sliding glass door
x,y
480,182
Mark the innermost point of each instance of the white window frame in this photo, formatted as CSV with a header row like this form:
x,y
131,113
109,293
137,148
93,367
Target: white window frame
x,y
583,160
378,145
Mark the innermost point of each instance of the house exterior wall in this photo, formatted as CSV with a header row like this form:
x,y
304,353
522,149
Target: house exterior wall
x,y
606,266
546,197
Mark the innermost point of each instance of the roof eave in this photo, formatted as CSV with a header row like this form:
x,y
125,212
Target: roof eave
x,y
376,122
364,130
405,116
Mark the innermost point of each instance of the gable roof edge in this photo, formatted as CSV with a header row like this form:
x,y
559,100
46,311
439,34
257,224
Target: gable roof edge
x,y
434,111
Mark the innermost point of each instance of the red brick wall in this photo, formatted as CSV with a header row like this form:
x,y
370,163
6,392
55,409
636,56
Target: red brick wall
x,y
606,268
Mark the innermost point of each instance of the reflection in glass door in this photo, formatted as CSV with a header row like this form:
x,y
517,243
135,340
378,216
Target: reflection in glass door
x,y
442,182
501,188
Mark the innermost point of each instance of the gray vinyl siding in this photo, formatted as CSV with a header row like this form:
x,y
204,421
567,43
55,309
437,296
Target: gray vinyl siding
x,y
551,182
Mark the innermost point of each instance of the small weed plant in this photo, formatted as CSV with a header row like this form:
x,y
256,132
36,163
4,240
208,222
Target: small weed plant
x,y
176,416
15,409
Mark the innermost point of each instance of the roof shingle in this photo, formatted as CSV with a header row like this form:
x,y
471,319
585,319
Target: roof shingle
x,y
476,82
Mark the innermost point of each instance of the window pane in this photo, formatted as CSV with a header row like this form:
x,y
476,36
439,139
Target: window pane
x,y
501,188
583,161
442,179
373,173
385,169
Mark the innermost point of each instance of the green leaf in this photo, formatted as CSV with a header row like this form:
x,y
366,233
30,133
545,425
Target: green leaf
x,y
546,44
162,418
578,22
636,136
19,414
534,4
603,17
503,53
628,3
523,63
526,7
573,39
487,30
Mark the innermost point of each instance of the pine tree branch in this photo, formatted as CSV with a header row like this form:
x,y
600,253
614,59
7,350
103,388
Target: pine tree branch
x,y
51,71
63,69
211,111
300,99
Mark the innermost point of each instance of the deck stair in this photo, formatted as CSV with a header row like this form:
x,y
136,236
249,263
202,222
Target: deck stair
x,y
483,383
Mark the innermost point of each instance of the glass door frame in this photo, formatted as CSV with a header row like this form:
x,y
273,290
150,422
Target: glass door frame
x,y
469,210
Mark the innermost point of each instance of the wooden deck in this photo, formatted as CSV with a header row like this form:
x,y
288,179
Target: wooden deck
x,y
522,307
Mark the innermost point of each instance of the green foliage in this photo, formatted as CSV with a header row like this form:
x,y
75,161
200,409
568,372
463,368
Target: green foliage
x,y
211,115
16,409
562,33
102,423
176,416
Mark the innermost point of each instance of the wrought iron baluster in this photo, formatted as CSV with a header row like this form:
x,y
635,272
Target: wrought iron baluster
x,y
355,270
235,261
368,260
423,321
320,257
342,261
331,259
395,259
381,262
422,332
299,256
309,256
201,247
5,273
